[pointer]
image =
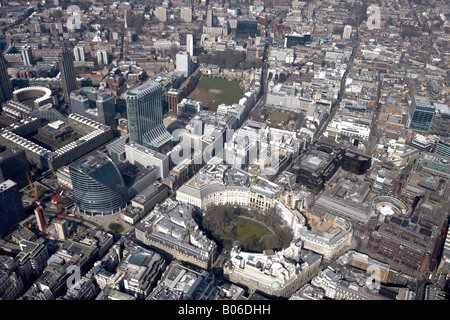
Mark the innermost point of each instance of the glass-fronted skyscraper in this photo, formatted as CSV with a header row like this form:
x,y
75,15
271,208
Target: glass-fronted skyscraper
x,y
145,115
422,113
98,186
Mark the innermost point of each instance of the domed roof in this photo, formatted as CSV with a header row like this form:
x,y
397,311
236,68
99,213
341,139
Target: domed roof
x,y
276,285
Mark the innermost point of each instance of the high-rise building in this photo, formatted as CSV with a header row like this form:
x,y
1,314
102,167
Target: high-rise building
x,y
347,32
209,18
95,104
14,165
67,69
190,44
186,14
102,57
27,56
161,14
145,115
6,90
183,63
79,53
421,113
441,120
98,186
127,19
12,211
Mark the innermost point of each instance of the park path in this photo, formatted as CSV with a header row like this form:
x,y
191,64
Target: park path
x,y
265,227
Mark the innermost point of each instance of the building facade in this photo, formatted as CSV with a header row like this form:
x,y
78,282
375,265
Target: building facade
x,y
98,186
95,104
145,115
67,69
12,211
6,89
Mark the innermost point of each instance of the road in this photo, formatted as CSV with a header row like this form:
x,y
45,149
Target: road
x,y
373,137
337,102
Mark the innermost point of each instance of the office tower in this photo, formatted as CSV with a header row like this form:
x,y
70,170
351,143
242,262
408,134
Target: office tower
x,y
102,57
98,186
67,69
14,166
161,14
421,113
347,32
145,115
145,157
209,18
27,56
186,14
183,63
33,258
95,104
127,19
79,53
190,44
12,211
441,120
443,148
6,90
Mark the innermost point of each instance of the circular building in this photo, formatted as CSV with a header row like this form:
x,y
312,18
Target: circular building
x,y
388,206
98,186
34,97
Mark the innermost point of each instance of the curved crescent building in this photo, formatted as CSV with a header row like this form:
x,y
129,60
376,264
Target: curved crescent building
x,y
98,186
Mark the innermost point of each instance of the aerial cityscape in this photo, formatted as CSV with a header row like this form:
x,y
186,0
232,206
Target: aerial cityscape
x,y
224,150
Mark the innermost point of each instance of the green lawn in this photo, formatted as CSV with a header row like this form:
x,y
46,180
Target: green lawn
x,y
208,88
250,228
59,143
278,116
116,227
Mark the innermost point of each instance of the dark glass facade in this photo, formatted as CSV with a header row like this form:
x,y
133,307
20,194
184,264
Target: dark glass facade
x,y
98,186
67,68
422,118
247,28
6,90
144,110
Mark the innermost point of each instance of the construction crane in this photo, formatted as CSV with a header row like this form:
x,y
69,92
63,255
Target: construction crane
x,y
55,200
41,220
213,100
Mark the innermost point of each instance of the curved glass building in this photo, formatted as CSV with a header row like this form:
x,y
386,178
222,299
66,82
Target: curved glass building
x,y
98,186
